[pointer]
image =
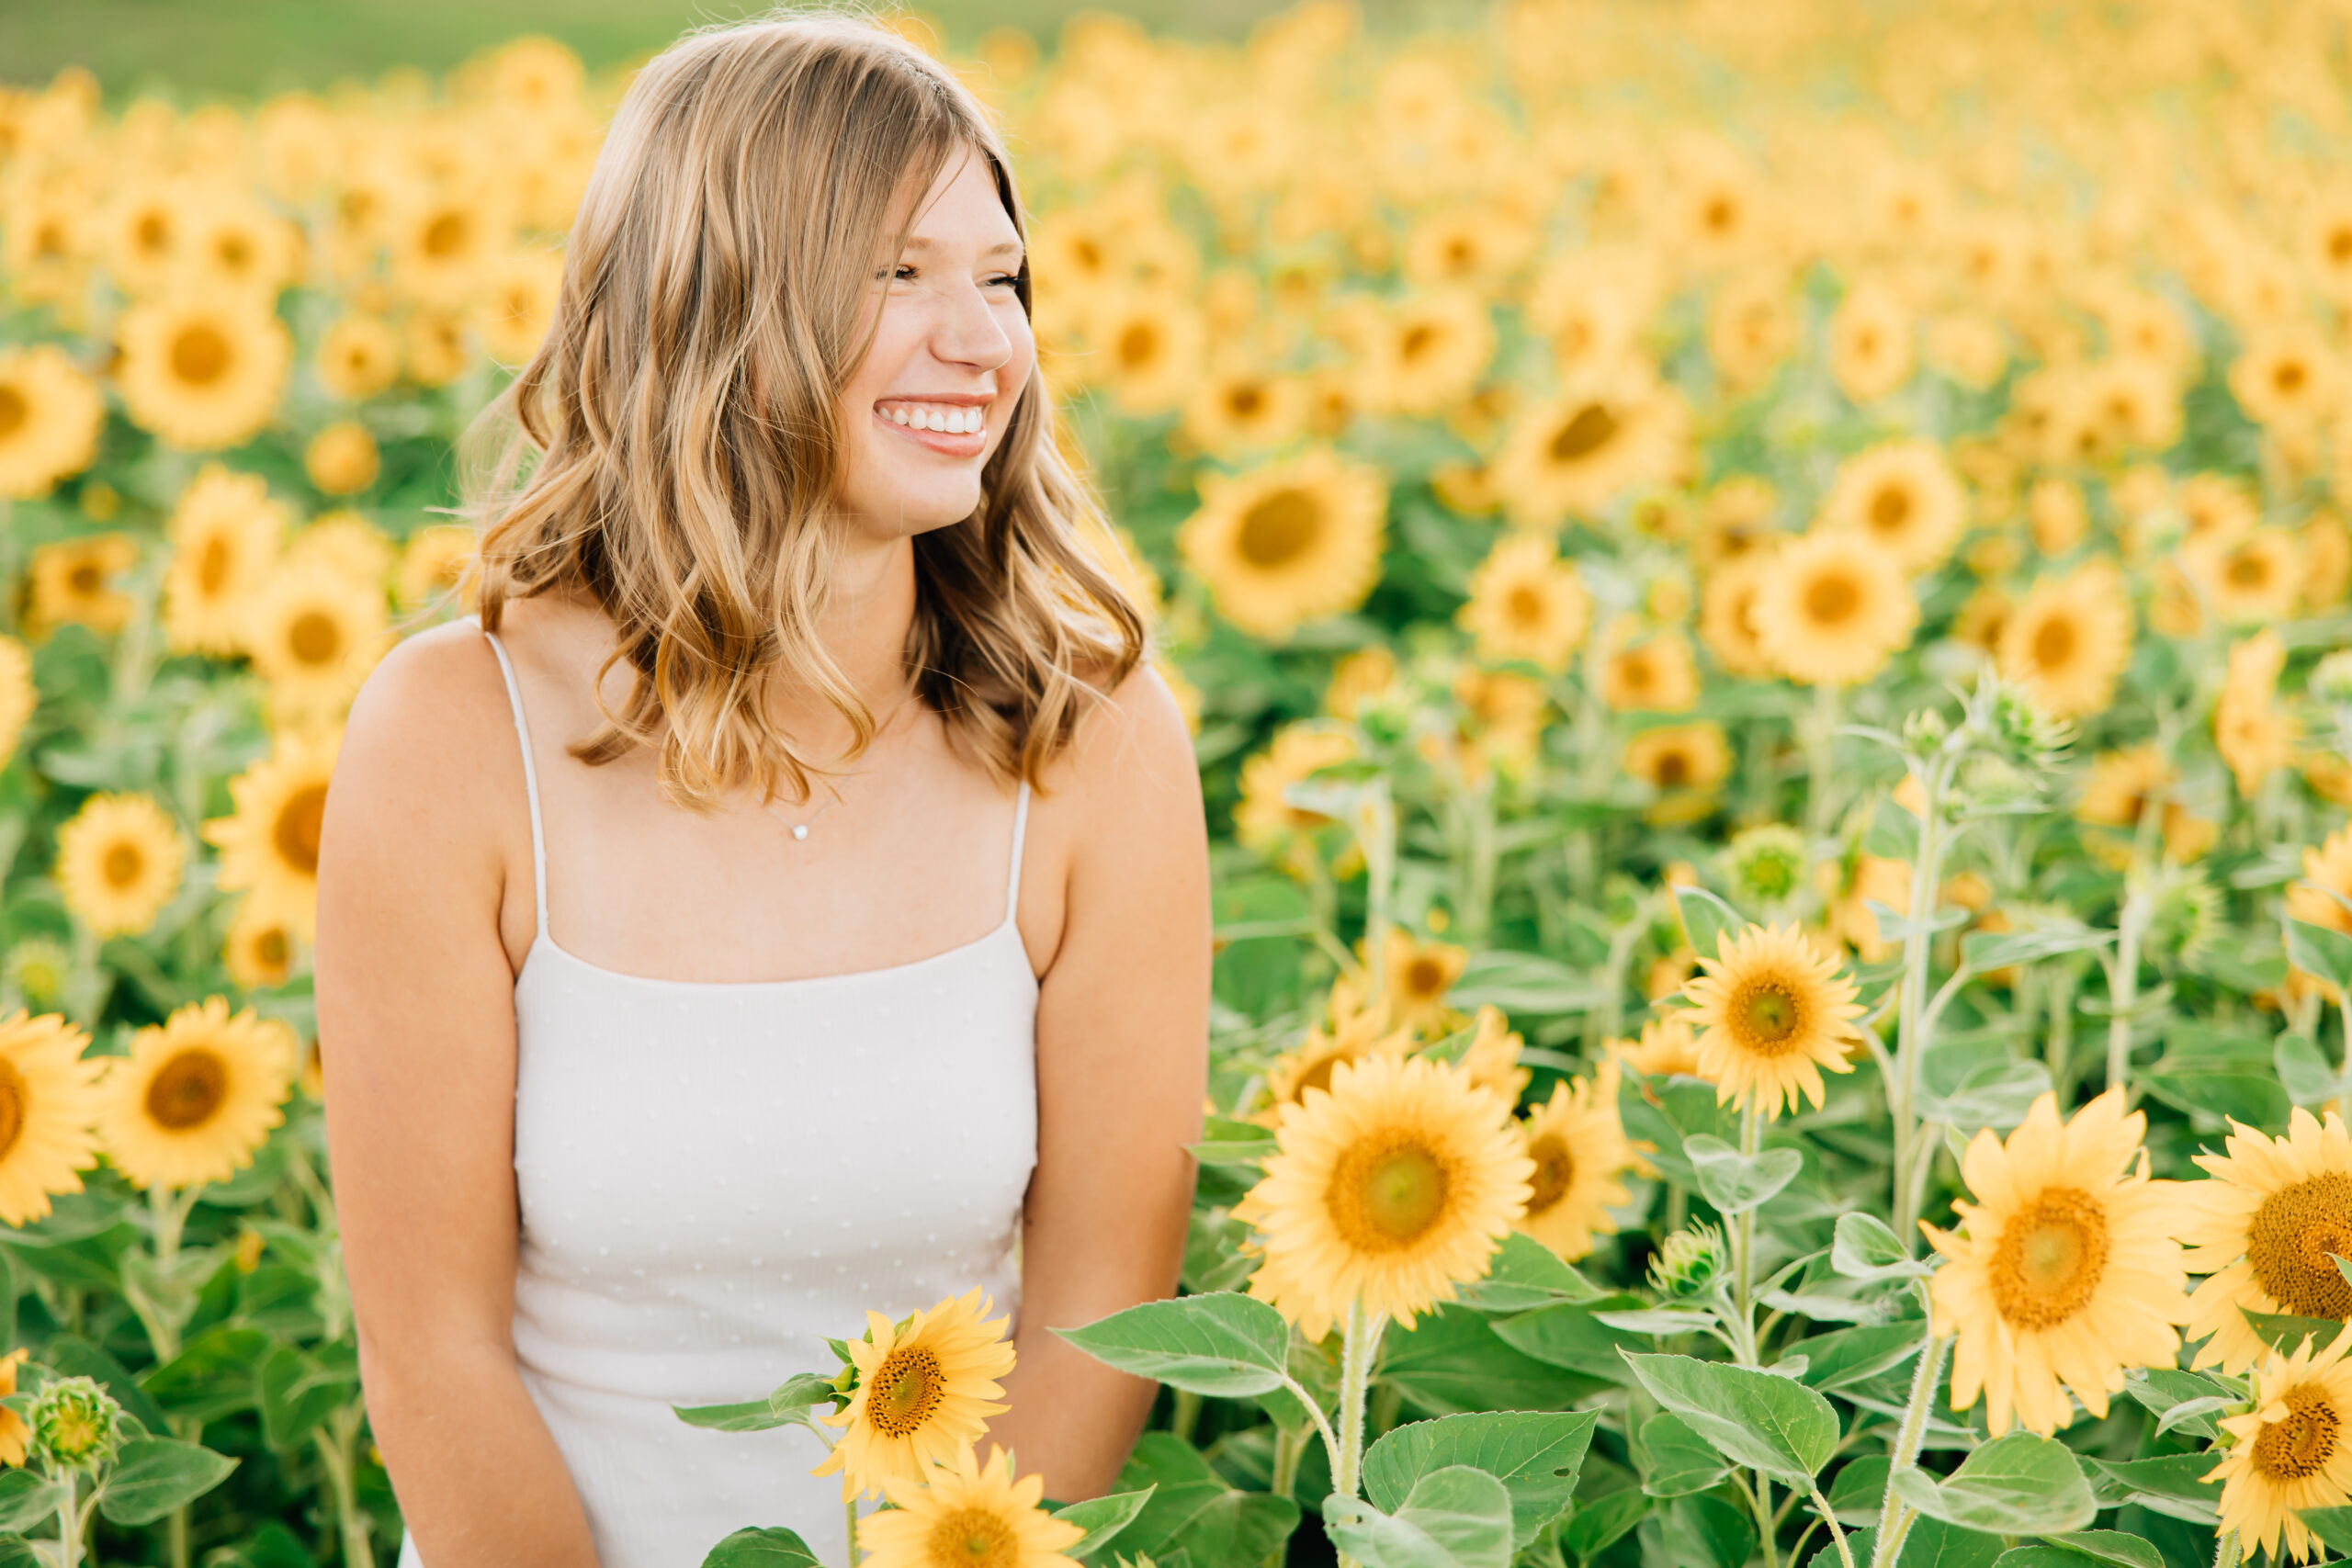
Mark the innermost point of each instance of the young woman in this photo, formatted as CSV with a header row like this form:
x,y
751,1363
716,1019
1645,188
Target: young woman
x,y
789,898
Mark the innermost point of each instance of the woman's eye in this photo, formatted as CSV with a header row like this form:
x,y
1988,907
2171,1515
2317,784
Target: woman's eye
x,y
1007,277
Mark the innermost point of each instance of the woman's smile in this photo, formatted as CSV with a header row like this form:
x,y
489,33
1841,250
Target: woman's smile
x,y
954,426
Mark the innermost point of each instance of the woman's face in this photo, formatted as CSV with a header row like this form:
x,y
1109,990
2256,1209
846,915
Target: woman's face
x,y
954,348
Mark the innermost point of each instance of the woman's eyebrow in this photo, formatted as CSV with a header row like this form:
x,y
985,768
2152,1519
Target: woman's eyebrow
x,y
1002,247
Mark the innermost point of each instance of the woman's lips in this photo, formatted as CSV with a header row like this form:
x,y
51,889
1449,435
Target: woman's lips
x,y
947,445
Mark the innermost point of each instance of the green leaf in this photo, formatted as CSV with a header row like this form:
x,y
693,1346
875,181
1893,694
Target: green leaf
x,y
1525,1274
2179,1399
2171,1485
771,1548
1601,1522
1767,1422
2109,1546
1102,1517
26,1499
1455,1363
1864,1249
1928,1543
215,1373
2332,1526
1996,1094
1703,1531
1195,1509
1224,1344
1228,1142
151,1476
2285,1332
2018,1484
1980,951
15,1551
1850,1355
2320,952
1535,1454
1706,918
1674,1459
2305,1074
1454,1516
1734,1182
1860,1490
70,1355
789,1404
298,1392
1524,985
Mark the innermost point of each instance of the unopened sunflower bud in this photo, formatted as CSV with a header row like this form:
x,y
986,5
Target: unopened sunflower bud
x,y
1766,863
76,1423
1925,730
1689,1262
2331,680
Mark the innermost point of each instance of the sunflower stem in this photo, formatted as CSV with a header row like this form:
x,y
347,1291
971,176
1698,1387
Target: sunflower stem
x,y
1820,751
1893,1518
1361,1343
1836,1534
68,1524
1743,1244
1913,1028
2225,1550
848,1528
1376,834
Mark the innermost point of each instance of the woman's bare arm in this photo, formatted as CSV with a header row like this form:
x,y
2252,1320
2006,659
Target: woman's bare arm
x,y
416,1029
1122,1071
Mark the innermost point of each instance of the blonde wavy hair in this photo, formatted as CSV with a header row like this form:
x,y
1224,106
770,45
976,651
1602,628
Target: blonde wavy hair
x,y
673,446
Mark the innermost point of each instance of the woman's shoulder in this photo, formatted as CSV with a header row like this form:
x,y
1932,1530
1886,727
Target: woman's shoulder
x,y
431,728
1132,751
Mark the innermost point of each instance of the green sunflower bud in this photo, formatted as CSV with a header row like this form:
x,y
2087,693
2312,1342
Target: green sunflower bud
x,y
1689,1262
35,970
76,1423
1766,863
2331,680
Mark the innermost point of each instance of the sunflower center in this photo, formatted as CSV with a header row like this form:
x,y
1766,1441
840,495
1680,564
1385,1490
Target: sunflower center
x,y
1415,343
151,233
904,1391
1138,345
86,578
200,356
1425,979
122,865
1317,1077
14,410
1280,529
1587,431
2248,570
270,948
1387,1192
2054,643
2050,1259
1831,598
2302,1443
1244,401
297,832
13,1099
1890,509
2288,378
1554,1169
1765,1016
188,1089
1524,605
1673,770
973,1537
315,638
212,565
446,235
2288,1243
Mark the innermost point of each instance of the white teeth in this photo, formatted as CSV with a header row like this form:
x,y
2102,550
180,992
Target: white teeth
x,y
898,416
938,422
947,421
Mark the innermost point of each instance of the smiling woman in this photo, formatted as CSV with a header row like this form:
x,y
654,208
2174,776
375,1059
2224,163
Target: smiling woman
x,y
652,1073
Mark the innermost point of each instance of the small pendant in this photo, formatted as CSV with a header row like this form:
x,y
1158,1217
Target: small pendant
x,y
800,829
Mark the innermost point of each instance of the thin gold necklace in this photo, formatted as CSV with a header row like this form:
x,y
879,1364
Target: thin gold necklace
x,y
799,830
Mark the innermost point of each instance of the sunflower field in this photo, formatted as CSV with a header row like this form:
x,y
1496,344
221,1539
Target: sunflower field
x,y
1762,588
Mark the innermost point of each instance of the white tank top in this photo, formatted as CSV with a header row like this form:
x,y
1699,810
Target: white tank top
x,y
715,1176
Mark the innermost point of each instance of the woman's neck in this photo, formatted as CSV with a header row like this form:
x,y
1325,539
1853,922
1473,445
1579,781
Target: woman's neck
x,y
864,629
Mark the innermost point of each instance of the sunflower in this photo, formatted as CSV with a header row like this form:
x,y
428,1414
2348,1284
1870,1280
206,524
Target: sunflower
x,y
14,1431
1354,1032
2121,786
2254,735
1430,348
2288,380
1243,408
1770,1013
1146,348
47,1100
1418,976
2327,873
314,633
1491,1059
1679,756
1362,677
225,533
269,848
19,696
518,301
444,240
1870,342
1290,543
1752,325
51,414
202,371
2067,1271
1502,720
259,951
357,357
2057,515
69,583
924,1388
1848,887
342,458
1656,674
1389,1187
965,1513
196,1096
1580,1150
118,860
1830,609
2252,579
2290,1452
2069,640
1666,1046
1572,456
437,345
1903,497
2262,1230
1726,622
1526,603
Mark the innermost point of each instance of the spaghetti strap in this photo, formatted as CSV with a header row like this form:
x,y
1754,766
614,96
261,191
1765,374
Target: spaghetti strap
x,y
1020,831
531,782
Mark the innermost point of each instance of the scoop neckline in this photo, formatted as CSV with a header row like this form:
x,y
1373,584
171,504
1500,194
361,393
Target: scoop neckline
x,y
541,939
